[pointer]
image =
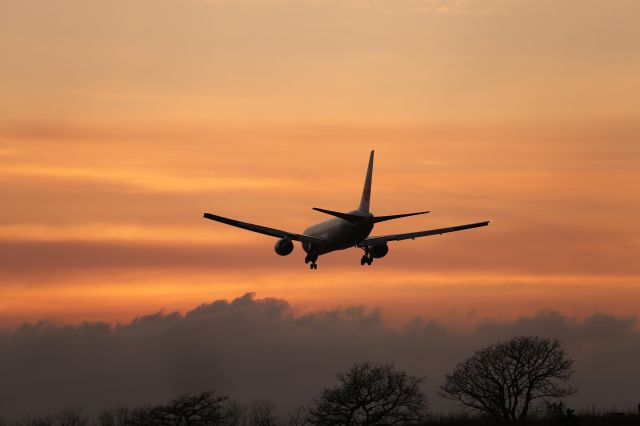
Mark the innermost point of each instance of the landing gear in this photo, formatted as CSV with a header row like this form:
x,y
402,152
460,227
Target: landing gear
x,y
366,258
311,259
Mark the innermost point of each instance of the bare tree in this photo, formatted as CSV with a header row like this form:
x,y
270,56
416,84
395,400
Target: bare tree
x,y
71,417
235,414
261,413
106,418
36,421
371,394
119,416
504,379
298,417
66,417
258,413
203,409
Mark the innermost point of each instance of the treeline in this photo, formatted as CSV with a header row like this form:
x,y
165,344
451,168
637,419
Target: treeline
x,y
223,412
521,380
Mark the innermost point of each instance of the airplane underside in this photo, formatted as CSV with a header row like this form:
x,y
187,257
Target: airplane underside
x,y
369,253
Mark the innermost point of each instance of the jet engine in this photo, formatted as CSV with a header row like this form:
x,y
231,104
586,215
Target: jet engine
x,y
284,247
379,250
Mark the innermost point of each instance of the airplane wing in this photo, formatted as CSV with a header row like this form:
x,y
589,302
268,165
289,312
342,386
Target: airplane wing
x,y
372,241
263,229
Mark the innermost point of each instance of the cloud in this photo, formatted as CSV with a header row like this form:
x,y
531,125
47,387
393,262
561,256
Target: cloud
x,y
205,246
425,6
37,258
144,181
257,348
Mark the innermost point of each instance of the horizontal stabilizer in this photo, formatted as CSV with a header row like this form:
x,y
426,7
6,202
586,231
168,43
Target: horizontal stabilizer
x,y
346,216
395,216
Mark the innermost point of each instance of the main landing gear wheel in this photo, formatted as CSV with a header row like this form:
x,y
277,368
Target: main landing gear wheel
x,y
311,259
366,259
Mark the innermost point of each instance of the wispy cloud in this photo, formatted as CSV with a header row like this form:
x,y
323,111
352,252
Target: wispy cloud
x,y
424,6
146,181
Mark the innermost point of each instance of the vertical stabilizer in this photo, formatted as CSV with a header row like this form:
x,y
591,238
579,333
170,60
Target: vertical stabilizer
x,y
366,191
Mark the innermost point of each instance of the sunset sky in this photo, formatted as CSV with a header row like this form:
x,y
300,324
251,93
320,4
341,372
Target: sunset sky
x,y
121,122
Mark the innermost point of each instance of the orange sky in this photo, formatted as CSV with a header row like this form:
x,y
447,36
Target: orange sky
x,y
121,122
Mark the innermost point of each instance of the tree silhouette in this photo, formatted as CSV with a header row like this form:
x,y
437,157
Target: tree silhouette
x,y
71,417
504,379
299,416
65,417
119,416
235,414
370,394
261,413
203,409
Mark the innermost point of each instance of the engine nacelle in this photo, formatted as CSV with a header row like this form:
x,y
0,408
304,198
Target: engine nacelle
x,y
379,251
284,247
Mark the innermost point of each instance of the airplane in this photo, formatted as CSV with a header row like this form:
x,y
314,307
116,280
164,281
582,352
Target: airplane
x,y
344,230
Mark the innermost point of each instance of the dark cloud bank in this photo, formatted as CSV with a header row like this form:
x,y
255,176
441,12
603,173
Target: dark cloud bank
x,y
256,348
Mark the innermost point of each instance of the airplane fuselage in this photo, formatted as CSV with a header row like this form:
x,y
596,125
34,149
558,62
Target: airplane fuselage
x,y
338,234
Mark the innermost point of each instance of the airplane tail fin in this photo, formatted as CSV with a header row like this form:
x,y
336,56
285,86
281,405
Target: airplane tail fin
x,y
366,190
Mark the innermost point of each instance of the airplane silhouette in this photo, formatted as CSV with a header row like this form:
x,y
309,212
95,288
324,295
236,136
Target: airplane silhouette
x,y
343,231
